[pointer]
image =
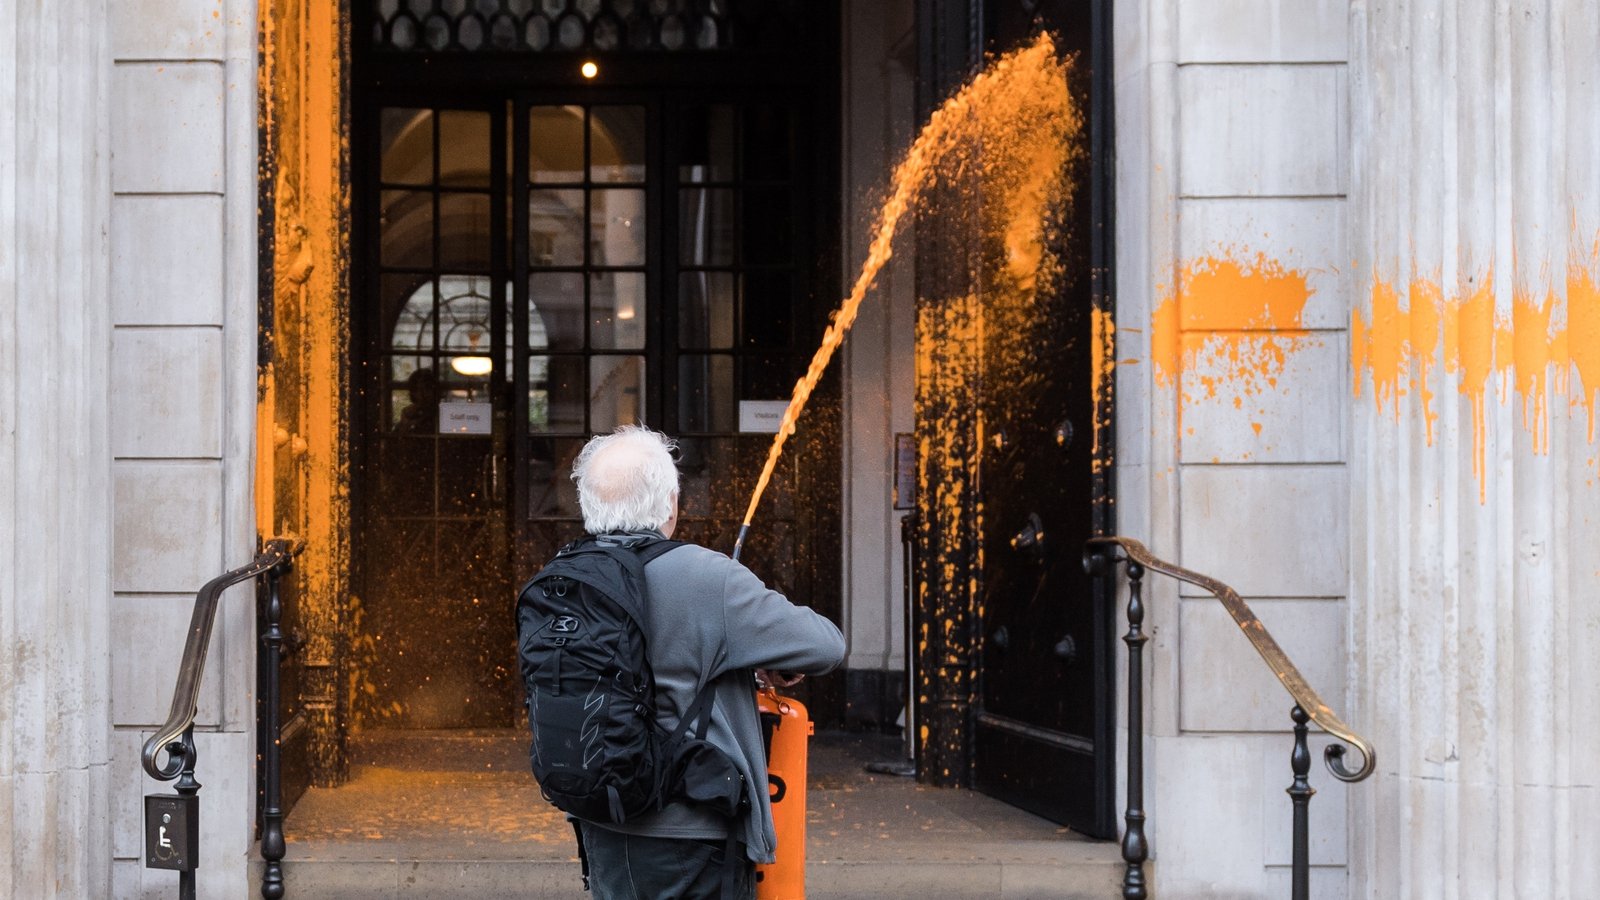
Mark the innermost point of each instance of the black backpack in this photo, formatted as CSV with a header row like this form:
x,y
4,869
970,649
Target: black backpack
x,y
598,752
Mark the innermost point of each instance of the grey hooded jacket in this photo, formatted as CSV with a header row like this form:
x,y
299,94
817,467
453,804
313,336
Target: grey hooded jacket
x,y
710,620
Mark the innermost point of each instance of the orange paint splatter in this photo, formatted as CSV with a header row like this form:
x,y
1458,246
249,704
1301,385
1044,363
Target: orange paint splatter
x,y
1229,329
1534,355
1014,122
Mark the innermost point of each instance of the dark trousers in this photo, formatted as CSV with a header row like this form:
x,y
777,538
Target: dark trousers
x,y
632,867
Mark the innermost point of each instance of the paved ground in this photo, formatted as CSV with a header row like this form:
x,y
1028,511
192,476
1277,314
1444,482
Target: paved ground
x,y
442,814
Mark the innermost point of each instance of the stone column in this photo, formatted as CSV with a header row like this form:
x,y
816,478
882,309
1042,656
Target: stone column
x,y
55,498
1476,496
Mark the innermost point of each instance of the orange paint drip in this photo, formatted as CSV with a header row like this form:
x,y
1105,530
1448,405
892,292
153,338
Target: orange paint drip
x,y
1165,346
1012,122
1102,368
1473,359
1426,309
1386,346
1531,344
1583,338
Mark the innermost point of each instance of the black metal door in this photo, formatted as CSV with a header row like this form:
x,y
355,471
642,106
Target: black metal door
x,y
1042,727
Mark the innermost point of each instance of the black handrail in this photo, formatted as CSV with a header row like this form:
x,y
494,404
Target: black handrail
x,y
176,735
1099,558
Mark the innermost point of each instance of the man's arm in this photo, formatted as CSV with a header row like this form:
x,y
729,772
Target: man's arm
x,y
766,631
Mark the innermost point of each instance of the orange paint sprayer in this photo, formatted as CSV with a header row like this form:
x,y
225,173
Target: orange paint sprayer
x,y
786,727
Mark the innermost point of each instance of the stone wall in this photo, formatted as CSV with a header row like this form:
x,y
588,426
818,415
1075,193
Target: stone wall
x,y
55,470
1476,492
879,54
1232,402
182,388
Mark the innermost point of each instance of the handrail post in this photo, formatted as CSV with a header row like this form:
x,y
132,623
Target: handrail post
x,y
272,843
1300,792
187,787
1134,847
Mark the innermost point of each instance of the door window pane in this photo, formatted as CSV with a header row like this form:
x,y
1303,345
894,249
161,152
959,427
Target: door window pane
x,y
407,140
555,228
617,227
555,311
413,396
705,227
465,238
616,392
768,221
555,144
770,377
551,491
768,143
768,309
616,143
708,144
465,474
407,305
465,308
405,222
555,394
463,148
617,311
705,309
705,393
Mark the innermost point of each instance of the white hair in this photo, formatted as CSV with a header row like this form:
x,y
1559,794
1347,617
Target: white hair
x,y
626,480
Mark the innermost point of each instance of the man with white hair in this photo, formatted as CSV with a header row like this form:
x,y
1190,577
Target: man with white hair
x,y
710,624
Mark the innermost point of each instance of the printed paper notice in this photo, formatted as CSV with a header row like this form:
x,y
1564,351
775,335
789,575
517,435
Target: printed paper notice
x,y
761,416
462,417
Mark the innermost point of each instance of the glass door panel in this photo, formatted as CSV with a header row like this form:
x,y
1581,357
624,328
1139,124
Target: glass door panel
x,y
433,482
585,293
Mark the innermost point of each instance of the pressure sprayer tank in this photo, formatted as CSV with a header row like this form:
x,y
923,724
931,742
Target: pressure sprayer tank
x,y
786,727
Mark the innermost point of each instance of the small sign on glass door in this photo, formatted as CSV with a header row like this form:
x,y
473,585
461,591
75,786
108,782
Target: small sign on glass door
x,y
761,416
465,417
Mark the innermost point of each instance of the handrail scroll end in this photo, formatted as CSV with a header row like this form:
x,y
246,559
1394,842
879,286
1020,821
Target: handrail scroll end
x,y
1334,755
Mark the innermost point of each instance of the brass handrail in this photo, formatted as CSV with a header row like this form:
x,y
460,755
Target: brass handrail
x,y
185,695
1270,652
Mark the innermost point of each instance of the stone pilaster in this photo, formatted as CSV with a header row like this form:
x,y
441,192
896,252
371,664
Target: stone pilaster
x,y
1476,496
55,497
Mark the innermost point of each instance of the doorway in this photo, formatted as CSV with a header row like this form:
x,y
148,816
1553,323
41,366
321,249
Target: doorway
x,y
542,256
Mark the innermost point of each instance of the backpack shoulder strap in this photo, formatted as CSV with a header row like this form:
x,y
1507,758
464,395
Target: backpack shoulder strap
x,y
649,550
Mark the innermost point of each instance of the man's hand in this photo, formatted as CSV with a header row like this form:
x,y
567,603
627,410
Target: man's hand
x,y
771,678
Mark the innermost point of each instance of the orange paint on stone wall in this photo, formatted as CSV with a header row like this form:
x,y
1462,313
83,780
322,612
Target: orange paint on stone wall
x,y
1583,339
1548,337
1228,330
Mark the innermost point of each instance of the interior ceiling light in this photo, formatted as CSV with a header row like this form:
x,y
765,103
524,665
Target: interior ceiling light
x,y
472,366
589,69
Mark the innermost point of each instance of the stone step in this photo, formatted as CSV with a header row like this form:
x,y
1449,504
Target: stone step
x,y
456,815
1071,871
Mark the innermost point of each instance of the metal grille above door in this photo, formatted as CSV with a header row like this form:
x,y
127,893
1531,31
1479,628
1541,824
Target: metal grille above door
x,y
541,26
